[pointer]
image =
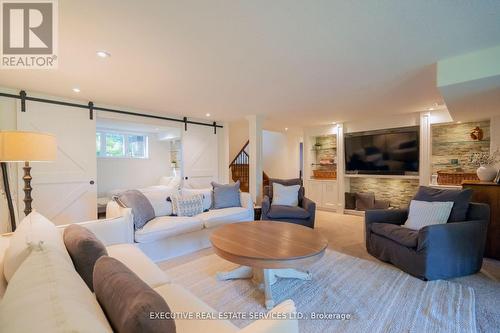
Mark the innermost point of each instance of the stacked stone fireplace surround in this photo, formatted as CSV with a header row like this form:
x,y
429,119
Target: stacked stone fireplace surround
x,y
398,191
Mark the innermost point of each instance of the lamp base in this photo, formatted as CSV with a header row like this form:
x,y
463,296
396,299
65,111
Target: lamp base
x,y
27,188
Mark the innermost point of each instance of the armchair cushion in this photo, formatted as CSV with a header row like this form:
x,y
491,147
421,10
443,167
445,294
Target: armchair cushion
x,y
400,235
287,212
460,198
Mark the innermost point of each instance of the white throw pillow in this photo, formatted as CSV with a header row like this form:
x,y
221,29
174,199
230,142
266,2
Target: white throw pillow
x,y
33,230
47,295
187,205
158,199
206,192
424,213
285,195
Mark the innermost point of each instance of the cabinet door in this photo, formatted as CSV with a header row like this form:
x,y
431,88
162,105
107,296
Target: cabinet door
x,y
329,195
314,192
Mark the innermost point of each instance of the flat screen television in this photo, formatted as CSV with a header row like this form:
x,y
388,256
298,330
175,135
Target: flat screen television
x,y
390,152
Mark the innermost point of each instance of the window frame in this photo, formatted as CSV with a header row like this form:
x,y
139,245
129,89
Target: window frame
x,y
103,132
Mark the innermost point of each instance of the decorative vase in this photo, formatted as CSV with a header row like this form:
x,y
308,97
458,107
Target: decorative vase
x,y
486,173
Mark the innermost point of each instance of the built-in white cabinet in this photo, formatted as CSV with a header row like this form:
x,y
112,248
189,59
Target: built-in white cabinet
x,y
324,193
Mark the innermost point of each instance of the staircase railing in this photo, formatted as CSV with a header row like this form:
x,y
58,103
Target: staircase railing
x,y
240,169
241,157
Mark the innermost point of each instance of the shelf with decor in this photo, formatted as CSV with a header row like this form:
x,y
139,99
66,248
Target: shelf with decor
x,y
452,145
324,157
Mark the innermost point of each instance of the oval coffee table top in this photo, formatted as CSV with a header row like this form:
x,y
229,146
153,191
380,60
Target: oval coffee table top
x,y
268,244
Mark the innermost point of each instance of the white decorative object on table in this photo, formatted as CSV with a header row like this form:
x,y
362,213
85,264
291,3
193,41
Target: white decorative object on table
x,y
486,173
486,170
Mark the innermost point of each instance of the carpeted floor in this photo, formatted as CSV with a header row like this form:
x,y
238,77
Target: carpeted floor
x,y
377,298
346,235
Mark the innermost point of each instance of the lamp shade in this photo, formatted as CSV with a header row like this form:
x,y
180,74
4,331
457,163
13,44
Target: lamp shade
x,y
19,146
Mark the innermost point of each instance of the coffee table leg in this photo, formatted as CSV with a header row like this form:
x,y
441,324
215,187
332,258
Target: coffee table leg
x,y
267,289
290,273
242,272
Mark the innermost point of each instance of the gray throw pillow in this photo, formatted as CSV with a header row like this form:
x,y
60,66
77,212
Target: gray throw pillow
x,y
142,210
460,198
365,200
84,249
226,196
128,301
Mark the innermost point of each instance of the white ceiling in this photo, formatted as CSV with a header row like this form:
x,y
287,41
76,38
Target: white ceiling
x,y
299,63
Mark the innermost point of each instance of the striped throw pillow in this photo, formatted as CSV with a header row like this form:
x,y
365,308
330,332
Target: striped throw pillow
x,y
189,205
424,213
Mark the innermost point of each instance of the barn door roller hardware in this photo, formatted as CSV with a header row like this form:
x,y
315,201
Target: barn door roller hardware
x,y
91,107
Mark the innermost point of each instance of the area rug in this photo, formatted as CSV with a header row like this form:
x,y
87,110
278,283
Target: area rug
x,y
376,297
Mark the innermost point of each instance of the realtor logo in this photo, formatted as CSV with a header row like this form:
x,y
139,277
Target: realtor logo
x,y
28,32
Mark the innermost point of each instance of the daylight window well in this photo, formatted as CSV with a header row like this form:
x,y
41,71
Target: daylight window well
x,y
121,145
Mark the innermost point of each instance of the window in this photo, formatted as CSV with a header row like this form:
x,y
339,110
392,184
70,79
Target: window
x,y
121,145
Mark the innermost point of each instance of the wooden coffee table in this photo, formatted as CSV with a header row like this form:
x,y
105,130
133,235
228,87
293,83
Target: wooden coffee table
x,y
267,250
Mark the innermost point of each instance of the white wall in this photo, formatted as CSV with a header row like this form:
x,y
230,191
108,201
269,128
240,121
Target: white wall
x,y
126,173
281,154
238,136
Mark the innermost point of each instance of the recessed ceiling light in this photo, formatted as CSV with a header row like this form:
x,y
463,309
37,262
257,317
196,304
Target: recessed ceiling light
x,y
334,123
459,122
207,114
103,54
286,128
77,90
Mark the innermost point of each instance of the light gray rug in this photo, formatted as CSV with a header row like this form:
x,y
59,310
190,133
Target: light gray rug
x,y
378,297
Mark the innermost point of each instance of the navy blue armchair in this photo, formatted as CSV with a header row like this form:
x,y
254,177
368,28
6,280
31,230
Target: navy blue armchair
x,y
434,252
303,214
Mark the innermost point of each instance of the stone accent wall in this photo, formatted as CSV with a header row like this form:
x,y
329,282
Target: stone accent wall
x,y
326,151
398,191
453,141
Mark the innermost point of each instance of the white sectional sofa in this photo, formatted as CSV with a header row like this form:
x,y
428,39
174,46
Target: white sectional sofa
x,y
169,236
22,313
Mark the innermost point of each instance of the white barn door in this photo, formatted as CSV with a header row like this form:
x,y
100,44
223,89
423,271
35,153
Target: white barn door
x,y
64,191
200,156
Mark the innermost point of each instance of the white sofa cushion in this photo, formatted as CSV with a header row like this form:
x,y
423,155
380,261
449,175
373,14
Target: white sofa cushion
x,y
139,263
167,226
47,295
181,300
216,217
32,230
158,199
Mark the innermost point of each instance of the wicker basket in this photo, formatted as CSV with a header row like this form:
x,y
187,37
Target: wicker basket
x,y
325,174
454,177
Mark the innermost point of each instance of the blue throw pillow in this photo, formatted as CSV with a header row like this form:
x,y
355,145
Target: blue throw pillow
x,y
460,198
142,210
226,196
